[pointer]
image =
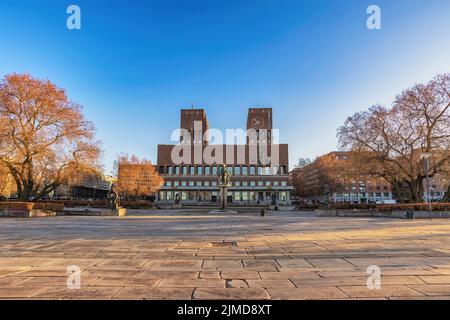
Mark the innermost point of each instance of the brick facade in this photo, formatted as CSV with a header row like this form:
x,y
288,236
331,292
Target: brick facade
x,y
253,183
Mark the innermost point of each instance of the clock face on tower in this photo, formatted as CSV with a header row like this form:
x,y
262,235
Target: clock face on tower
x,y
256,123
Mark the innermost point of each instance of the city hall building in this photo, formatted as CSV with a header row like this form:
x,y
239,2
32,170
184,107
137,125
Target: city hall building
x,y
259,168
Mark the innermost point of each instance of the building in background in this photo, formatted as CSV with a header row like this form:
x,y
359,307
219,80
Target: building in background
x,y
89,187
331,178
195,182
438,187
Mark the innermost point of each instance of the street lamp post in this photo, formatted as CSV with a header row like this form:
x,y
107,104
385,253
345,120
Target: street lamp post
x,y
425,157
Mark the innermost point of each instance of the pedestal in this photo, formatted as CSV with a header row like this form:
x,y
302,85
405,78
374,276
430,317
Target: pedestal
x,y
119,212
223,197
223,201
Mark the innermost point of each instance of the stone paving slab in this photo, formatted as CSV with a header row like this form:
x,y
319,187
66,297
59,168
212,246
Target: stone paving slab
x,y
190,283
433,289
155,294
179,255
231,294
222,264
15,292
239,274
86,292
386,291
307,293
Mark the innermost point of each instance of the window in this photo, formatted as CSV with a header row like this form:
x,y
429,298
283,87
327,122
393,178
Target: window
x,y
177,170
199,170
260,183
170,170
191,170
184,195
252,183
230,170
199,183
267,183
207,170
169,183
245,196
275,183
237,196
260,171
183,183
237,171
237,183
206,183
244,171
191,183
252,170
214,183
214,170
244,183
184,170
175,183
283,183
267,171
275,170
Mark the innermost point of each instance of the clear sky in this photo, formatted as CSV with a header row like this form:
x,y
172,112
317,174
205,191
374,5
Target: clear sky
x,y
135,64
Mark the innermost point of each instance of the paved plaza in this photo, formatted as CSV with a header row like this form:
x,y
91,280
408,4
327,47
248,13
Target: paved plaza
x,y
195,255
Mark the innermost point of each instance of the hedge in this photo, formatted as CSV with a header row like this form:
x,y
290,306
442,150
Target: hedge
x,y
415,207
343,206
101,203
28,206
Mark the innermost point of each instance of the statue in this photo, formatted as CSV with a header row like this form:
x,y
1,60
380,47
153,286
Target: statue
x,y
113,197
224,181
224,176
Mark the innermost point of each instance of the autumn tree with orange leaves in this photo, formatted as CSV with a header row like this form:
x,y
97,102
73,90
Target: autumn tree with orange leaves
x,y
137,178
45,141
322,177
6,182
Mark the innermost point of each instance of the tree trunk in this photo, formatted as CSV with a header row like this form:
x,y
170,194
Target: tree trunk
x,y
446,197
415,192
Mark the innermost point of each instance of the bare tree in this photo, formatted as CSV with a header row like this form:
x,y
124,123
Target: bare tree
x,y
45,140
390,142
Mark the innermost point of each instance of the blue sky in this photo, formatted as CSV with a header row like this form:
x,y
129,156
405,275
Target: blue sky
x,y
135,64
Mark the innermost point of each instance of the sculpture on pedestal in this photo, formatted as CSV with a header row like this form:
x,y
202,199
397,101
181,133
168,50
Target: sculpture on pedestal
x,y
113,198
224,182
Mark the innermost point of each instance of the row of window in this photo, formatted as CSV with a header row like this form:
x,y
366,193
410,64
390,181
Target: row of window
x,y
363,188
214,196
235,183
362,195
214,170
